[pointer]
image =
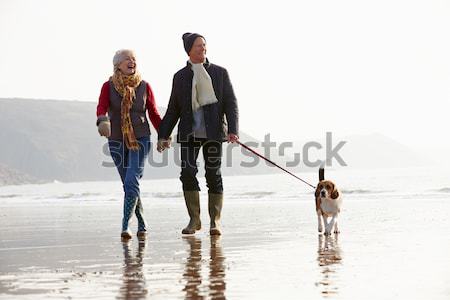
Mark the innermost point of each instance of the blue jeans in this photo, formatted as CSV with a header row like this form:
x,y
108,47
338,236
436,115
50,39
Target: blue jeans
x,y
130,163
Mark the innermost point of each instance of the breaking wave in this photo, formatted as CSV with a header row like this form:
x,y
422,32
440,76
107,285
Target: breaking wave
x,y
256,194
77,195
443,190
361,191
167,195
9,196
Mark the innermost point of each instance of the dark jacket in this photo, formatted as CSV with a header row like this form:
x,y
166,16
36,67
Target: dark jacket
x,y
180,106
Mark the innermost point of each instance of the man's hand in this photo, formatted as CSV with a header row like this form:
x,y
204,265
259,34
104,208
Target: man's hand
x,y
232,138
163,144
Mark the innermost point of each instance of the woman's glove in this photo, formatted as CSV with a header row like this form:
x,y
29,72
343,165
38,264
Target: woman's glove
x,y
104,126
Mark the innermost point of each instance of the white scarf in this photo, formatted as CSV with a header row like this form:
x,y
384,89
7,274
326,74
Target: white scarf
x,y
202,88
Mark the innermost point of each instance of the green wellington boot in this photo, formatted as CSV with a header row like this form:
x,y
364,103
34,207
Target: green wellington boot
x,y
215,207
192,199
129,204
142,225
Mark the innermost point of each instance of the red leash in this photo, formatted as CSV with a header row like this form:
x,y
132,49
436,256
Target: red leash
x,y
268,160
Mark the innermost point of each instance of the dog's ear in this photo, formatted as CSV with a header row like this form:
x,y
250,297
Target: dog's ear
x,y
335,192
317,190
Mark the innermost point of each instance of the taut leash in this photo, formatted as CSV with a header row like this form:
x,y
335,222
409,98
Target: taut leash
x,y
268,160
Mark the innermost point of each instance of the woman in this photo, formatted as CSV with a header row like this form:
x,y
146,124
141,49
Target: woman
x,y
121,117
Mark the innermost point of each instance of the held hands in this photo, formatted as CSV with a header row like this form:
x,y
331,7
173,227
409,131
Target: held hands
x,y
163,144
104,126
232,138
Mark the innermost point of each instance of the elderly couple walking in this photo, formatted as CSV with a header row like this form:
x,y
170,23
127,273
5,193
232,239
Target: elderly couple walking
x,y
201,97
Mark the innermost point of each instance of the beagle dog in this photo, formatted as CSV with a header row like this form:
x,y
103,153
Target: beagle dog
x,y
328,204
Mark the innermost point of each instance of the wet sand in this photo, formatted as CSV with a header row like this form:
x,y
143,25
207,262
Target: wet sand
x,y
387,249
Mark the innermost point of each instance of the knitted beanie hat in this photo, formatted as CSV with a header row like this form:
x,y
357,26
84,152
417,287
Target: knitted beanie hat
x,y
188,40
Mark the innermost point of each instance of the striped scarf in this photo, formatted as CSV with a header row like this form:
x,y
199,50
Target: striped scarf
x,y
125,85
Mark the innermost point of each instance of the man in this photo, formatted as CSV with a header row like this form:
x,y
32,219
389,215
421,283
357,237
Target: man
x,y
201,96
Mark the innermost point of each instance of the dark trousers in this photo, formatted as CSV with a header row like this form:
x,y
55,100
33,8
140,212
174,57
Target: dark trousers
x,y
212,154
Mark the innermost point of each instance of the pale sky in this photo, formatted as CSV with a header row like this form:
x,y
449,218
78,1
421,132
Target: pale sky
x,y
299,68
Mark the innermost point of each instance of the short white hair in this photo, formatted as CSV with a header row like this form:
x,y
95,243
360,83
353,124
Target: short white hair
x,y
120,56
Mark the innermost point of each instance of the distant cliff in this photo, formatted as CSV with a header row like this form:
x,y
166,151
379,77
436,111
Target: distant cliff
x,y
46,140
9,176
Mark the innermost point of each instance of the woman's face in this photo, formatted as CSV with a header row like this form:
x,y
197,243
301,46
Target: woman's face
x,y
198,51
128,65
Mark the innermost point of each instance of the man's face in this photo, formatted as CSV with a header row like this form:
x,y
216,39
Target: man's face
x,y
198,51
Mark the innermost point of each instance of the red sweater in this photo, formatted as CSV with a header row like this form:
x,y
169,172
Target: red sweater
x,y
103,105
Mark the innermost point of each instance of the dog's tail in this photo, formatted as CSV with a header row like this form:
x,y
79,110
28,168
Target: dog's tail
x,y
321,174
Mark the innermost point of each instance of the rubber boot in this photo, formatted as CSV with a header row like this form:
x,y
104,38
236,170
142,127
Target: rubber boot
x,y
142,225
129,205
192,199
215,208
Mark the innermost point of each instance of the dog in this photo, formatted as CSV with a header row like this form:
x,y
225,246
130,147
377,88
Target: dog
x,y
328,204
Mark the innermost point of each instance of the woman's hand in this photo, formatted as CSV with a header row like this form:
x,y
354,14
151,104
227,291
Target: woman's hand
x,y
104,126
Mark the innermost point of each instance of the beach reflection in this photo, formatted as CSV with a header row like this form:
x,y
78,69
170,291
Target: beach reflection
x,y
193,267
133,285
329,258
215,288
216,269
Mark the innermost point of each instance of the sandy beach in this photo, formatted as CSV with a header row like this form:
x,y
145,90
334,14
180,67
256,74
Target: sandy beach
x,y
393,248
